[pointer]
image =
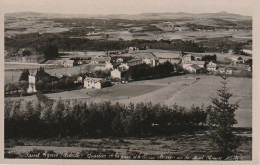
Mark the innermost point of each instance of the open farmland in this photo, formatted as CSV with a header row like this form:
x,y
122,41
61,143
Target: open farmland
x,y
164,53
182,90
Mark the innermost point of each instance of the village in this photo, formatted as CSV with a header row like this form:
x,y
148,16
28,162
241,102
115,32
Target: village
x,y
113,66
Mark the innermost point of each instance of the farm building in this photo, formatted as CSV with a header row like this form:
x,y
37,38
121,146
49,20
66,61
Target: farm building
x,y
199,63
95,83
171,60
100,60
134,62
61,62
106,66
186,58
211,66
193,68
68,63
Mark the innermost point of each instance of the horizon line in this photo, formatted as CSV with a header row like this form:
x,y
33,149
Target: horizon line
x,y
61,13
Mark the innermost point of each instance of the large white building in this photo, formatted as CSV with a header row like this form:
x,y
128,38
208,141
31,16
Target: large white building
x,y
187,62
94,83
100,60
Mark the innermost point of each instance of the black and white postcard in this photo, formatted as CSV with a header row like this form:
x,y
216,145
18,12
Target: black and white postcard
x,y
160,81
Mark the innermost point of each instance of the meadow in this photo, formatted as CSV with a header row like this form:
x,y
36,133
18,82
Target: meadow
x,y
195,145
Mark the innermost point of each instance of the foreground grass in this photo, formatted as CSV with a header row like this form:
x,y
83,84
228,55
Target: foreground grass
x,y
182,146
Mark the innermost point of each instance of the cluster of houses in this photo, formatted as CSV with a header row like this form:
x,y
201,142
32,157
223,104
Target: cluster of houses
x,y
118,68
197,65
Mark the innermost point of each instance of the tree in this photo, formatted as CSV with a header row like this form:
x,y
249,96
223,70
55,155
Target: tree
x,y
221,118
24,75
50,51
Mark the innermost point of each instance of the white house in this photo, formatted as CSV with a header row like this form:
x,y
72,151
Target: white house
x,y
186,58
193,68
32,84
68,63
93,83
211,66
171,60
199,63
116,74
100,60
107,66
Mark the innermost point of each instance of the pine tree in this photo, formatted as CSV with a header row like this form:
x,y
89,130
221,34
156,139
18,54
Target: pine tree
x,y
221,118
24,75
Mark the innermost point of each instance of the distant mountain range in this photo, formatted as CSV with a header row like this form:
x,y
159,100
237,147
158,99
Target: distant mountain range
x,y
150,16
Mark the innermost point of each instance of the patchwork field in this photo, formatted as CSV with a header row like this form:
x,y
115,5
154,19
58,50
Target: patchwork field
x,y
169,35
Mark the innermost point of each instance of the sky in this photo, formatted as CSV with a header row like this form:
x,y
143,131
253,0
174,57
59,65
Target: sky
x,y
104,7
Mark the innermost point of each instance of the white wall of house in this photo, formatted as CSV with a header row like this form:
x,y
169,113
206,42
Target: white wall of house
x,y
212,66
92,84
116,74
186,58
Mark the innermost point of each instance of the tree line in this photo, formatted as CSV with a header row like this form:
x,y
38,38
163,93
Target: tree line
x,y
46,118
144,71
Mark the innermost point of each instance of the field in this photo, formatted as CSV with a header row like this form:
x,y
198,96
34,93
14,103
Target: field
x,y
187,145
164,53
182,90
183,35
